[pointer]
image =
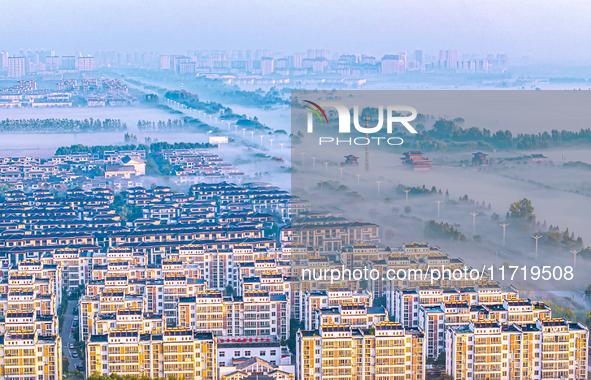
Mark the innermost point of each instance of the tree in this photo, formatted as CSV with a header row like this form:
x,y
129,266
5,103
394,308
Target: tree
x,y
522,209
65,363
443,230
229,291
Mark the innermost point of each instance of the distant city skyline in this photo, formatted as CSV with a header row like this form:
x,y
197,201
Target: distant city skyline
x,y
526,28
254,62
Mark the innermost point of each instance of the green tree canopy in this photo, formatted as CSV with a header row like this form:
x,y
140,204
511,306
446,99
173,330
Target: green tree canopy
x,y
522,209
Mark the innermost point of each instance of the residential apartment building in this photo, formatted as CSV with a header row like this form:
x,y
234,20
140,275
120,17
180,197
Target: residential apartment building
x,y
356,315
17,67
176,352
388,351
331,298
404,304
26,354
255,314
328,233
546,349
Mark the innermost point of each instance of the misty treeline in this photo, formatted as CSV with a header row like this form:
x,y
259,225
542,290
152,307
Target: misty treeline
x,y
577,165
219,88
162,126
567,312
520,213
61,125
186,124
192,101
443,230
155,147
446,134
523,212
450,135
255,98
565,238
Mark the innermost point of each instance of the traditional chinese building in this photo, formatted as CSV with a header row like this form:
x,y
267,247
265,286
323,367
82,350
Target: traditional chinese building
x,y
416,161
479,159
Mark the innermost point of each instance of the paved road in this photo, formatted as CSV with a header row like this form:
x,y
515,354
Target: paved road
x,y
68,337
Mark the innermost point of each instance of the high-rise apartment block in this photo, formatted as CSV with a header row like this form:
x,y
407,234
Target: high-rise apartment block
x,y
17,67
388,351
544,349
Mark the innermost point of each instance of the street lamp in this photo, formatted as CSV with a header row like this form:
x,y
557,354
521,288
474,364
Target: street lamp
x,y
406,191
574,251
537,237
504,225
379,182
474,221
438,204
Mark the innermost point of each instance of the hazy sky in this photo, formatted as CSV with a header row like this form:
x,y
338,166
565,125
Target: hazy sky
x,y
536,28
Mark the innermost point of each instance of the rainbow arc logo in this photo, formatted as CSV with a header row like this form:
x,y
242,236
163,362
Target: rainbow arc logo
x,y
315,110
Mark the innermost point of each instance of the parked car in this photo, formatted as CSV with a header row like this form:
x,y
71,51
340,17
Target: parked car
x,y
80,367
71,346
76,318
73,329
75,323
74,354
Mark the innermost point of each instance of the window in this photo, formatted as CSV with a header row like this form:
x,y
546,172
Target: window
x,y
246,353
273,353
263,353
222,354
236,353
